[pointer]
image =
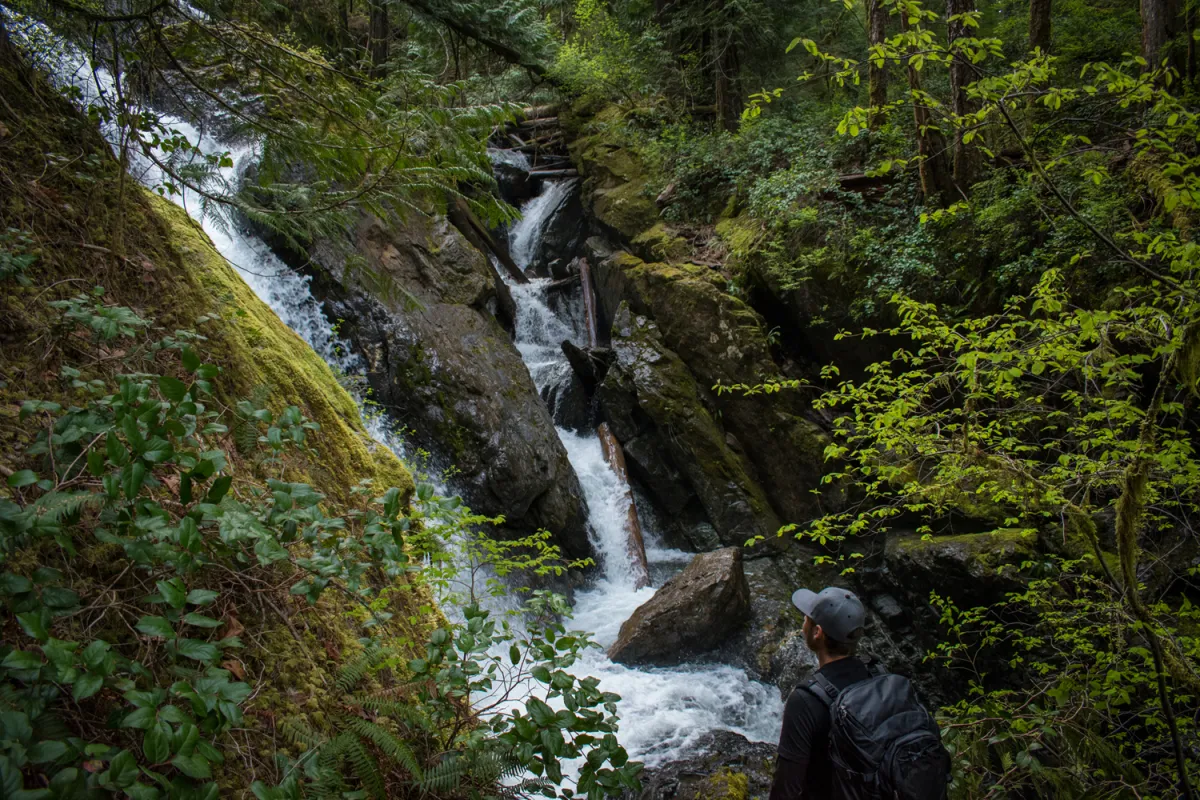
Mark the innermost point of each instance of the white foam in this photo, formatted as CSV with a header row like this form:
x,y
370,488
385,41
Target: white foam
x,y
663,710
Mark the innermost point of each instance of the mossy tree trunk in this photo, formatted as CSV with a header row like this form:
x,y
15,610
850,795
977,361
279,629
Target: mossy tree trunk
x,y
1159,24
936,180
877,77
379,36
1039,25
726,100
965,158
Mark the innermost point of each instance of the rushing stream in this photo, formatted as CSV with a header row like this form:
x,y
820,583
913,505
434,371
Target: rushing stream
x,y
662,710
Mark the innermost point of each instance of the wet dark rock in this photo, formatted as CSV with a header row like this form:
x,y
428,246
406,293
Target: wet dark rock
x,y
649,392
721,340
890,610
590,365
445,366
569,405
669,487
722,765
562,237
692,613
971,568
512,179
701,536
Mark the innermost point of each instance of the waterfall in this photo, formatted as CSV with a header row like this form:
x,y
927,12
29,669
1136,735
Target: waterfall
x,y
663,709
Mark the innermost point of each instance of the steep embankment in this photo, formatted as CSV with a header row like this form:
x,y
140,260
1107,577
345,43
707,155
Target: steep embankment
x,y
76,222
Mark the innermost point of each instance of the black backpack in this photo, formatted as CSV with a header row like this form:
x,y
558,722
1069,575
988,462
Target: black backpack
x,y
882,742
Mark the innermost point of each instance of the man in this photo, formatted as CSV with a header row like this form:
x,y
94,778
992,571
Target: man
x,y
833,623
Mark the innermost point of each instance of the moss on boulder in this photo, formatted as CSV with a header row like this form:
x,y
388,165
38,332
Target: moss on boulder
x,y
972,568
669,397
721,340
616,184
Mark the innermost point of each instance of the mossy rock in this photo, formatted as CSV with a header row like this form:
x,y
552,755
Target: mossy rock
x,y
721,340
152,258
669,396
970,567
660,242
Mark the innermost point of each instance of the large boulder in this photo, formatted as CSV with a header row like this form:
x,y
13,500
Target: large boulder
x,y
415,306
723,765
971,568
692,613
652,402
562,236
721,340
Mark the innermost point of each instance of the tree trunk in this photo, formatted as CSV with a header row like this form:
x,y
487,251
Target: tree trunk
x,y
1039,25
590,317
1190,28
1159,24
936,181
965,157
635,545
877,78
380,33
726,100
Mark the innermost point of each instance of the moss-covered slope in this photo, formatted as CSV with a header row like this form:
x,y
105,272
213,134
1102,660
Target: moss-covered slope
x,y
65,202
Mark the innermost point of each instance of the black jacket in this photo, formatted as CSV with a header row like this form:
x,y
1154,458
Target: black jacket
x,y
803,769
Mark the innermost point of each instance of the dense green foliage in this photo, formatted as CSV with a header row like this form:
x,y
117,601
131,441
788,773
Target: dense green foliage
x,y
1003,214
140,697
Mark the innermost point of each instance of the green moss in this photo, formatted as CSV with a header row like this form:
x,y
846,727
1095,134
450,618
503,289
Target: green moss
x,y
740,234
660,242
256,348
724,785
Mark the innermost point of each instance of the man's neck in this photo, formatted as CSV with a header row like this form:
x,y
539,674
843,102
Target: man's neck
x,y
824,659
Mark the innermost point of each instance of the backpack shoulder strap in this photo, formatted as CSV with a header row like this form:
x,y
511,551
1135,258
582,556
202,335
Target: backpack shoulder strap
x,y
876,667
822,688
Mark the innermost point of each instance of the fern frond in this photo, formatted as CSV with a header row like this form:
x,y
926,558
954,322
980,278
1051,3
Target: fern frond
x,y
444,777
366,768
396,750
357,668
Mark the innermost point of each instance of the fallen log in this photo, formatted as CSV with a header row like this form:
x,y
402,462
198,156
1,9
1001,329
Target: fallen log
x,y
589,303
635,544
551,174
561,284
462,217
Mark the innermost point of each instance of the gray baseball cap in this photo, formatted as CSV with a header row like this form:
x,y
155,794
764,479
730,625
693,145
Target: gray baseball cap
x,y
838,611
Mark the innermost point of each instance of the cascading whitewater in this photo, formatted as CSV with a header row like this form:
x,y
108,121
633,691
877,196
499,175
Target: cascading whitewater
x,y
663,710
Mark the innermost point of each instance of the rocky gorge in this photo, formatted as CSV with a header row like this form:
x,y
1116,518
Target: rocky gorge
x,y
483,370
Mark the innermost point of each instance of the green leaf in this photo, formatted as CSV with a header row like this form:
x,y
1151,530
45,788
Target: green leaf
x,y
22,478
194,766
219,489
201,620
21,659
34,624
173,592
58,598
172,388
87,685
140,718
198,651
156,626
47,751
157,745
202,597
123,769
191,361
14,584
